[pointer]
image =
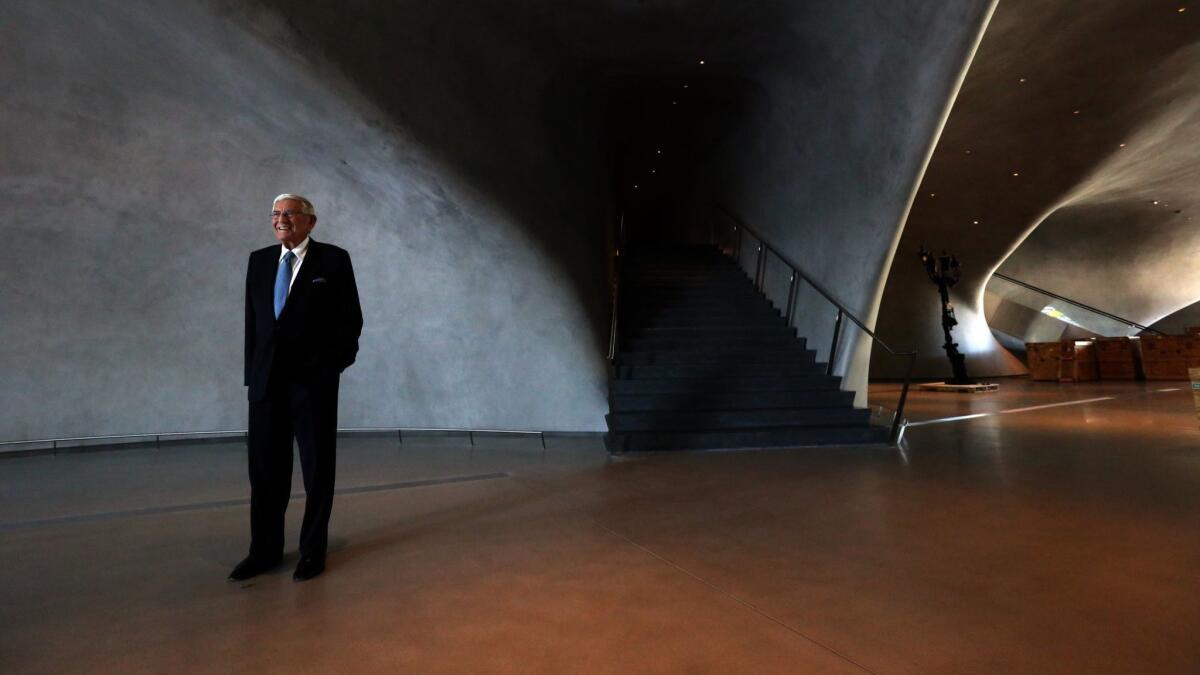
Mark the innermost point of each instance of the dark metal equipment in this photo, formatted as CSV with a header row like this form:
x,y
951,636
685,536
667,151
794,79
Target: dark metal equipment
x,y
944,271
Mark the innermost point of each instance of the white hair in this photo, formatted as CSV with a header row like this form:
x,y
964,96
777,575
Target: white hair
x,y
306,206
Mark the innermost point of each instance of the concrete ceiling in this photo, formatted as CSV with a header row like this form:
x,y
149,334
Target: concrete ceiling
x,y
1074,119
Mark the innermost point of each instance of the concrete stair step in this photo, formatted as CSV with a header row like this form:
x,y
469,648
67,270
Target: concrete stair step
x,y
716,370
702,322
725,400
790,355
657,441
634,313
700,341
716,332
724,420
701,385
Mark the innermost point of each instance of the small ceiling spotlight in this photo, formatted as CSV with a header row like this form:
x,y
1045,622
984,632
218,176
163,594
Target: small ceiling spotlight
x,y
653,170
1122,145
701,61
932,194
635,186
1022,80
659,152
1016,173
966,152
1182,10
1155,202
1075,112
685,86
674,102
975,222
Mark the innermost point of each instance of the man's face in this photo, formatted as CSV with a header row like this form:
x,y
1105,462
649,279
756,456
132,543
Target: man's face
x,y
291,225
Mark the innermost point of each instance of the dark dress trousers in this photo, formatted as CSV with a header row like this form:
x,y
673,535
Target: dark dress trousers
x,y
292,369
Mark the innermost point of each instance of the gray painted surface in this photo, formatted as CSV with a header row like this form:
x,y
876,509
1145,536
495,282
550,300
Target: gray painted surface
x,y
825,163
1097,113
143,143
1179,322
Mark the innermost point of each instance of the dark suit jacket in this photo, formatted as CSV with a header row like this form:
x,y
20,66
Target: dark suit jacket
x,y
316,335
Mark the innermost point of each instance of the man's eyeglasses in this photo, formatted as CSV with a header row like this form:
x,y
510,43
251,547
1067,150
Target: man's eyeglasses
x,y
289,214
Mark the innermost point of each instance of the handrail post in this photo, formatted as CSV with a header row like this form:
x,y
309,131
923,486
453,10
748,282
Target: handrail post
x,y
894,434
737,245
758,266
791,299
837,333
616,292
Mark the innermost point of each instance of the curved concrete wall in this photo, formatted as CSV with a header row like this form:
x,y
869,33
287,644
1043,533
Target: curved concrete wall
x,y
826,162
1068,127
1126,240
143,143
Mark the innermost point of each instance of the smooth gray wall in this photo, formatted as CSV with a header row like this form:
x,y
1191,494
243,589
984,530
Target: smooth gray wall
x,y
142,144
826,162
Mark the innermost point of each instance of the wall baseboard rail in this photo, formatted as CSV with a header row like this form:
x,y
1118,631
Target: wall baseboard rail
x,y
53,446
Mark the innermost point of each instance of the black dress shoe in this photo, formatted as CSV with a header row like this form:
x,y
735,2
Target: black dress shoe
x,y
309,567
252,566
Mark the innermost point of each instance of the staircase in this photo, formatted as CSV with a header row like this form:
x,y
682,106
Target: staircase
x,y
706,362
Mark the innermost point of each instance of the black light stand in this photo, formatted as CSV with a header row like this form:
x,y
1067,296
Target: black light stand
x,y
944,271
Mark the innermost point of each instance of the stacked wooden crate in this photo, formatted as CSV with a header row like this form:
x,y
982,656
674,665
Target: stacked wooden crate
x,y
1044,360
1168,357
1077,362
1117,358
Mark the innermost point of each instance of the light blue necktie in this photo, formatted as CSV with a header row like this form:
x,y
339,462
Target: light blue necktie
x,y
283,279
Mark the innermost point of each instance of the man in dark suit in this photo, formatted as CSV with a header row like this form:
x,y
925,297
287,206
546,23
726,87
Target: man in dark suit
x,y
302,326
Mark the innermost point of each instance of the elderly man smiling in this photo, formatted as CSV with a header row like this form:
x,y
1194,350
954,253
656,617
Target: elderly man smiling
x,y
302,326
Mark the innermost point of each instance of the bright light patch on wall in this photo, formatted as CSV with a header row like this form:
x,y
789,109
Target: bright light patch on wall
x,y
1050,311
972,332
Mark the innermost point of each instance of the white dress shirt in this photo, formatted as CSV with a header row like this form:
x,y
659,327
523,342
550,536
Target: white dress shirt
x,y
300,250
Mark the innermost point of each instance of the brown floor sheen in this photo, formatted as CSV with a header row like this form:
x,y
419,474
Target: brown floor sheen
x,y
1055,540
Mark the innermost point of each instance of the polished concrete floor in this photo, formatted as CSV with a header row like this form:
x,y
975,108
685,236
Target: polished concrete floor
x,y
1061,539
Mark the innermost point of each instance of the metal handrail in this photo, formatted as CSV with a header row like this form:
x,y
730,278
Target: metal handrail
x,y
616,291
760,273
1089,308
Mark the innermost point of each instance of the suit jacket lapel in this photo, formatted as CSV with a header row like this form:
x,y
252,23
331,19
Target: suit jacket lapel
x,y
269,267
308,271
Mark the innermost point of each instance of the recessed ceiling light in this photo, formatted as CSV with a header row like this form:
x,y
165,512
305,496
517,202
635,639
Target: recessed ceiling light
x,y
1022,79
931,194
1122,145
653,170
674,102
685,86
659,151
976,222
1182,10
1016,173
1075,112
701,61
966,152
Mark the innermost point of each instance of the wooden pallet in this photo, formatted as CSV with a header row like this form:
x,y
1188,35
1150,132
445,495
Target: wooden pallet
x,y
959,388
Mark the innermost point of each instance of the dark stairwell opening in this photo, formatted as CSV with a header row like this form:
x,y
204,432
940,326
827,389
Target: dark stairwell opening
x,y
702,359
